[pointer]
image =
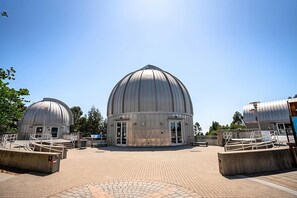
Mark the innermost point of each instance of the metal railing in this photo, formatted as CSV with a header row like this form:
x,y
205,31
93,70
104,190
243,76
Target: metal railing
x,y
40,138
257,140
8,138
72,137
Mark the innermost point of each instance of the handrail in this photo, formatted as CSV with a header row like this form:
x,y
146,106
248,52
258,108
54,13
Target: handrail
x,y
267,139
50,149
228,137
8,138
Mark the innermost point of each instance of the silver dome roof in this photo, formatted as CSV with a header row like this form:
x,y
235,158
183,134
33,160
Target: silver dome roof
x,y
272,111
149,89
48,111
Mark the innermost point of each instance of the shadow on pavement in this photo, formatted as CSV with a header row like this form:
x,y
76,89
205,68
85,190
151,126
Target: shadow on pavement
x,y
144,149
243,176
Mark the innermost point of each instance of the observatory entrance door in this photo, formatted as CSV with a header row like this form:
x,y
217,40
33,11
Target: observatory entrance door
x,y
176,132
121,133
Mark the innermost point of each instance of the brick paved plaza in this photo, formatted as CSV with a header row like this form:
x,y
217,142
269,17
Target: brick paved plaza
x,y
139,172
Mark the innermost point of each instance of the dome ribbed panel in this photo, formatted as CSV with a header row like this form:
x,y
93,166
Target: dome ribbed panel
x,y
149,89
119,95
56,114
147,96
130,100
187,99
178,98
110,101
164,97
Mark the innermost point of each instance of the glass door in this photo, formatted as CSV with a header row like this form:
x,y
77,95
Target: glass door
x,y
176,132
121,136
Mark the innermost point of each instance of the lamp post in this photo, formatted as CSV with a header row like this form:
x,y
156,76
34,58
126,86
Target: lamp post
x,y
255,110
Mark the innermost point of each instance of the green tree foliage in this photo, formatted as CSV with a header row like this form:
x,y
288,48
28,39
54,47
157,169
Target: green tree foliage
x,y
77,113
237,118
88,124
83,124
214,126
103,126
197,129
94,120
11,102
237,122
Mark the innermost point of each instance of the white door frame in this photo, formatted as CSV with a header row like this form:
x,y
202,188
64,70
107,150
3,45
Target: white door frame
x,y
121,133
178,139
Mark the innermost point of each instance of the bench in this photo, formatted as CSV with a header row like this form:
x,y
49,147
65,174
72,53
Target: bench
x,y
98,140
97,144
200,143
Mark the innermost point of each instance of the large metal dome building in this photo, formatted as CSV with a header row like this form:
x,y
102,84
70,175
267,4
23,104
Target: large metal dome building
x,y
149,107
49,116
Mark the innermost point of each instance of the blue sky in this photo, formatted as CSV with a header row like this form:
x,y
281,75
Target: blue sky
x,y
227,52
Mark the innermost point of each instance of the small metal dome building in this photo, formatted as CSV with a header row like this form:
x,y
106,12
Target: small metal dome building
x,y
49,116
272,115
149,107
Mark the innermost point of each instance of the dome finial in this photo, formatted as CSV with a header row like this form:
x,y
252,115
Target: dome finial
x,y
151,67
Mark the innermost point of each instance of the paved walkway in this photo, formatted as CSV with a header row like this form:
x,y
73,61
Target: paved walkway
x,y
165,172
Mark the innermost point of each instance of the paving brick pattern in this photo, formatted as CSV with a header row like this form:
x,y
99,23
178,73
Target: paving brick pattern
x,y
133,189
123,172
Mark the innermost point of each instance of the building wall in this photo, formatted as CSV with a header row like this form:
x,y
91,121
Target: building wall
x,y
150,129
26,129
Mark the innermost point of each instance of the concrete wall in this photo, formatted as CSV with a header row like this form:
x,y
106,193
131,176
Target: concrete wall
x,y
29,160
212,140
255,161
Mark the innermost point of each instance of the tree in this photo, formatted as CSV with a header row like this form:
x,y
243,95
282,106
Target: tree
x,y
103,127
11,102
83,124
237,122
77,113
237,118
214,126
94,120
88,124
197,129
